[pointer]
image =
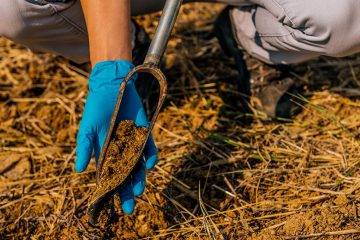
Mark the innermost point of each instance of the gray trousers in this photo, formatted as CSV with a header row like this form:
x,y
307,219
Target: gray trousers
x,y
274,31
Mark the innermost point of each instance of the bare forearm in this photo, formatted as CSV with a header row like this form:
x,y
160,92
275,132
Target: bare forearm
x,y
108,25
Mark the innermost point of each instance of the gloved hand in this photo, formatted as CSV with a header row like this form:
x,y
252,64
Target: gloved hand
x,y
104,85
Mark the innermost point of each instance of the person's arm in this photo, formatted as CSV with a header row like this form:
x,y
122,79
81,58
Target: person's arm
x,y
108,26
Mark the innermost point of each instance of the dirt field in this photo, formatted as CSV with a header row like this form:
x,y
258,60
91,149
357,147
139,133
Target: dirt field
x,y
221,175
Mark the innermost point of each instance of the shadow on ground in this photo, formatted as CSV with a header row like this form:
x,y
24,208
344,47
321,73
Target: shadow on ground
x,y
208,177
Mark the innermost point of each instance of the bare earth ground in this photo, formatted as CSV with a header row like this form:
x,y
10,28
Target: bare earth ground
x,y
219,176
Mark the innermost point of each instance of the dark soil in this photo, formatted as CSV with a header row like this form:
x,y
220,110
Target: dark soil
x,y
121,156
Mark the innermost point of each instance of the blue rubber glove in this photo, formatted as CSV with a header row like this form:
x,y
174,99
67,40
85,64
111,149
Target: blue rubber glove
x,y
104,85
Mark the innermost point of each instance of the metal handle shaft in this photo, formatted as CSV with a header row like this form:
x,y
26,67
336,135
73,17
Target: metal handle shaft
x,y
163,31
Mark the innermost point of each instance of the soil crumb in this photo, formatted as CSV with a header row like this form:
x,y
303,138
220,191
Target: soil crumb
x,y
124,146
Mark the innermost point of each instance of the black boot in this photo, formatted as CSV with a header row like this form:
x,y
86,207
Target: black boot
x,y
142,44
146,84
224,33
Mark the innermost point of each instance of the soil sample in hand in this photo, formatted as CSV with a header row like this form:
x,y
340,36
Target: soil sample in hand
x,y
120,158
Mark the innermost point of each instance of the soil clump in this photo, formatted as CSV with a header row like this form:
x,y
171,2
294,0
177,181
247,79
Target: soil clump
x,y
120,158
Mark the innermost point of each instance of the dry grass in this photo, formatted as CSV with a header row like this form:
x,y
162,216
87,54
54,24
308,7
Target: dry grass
x,y
219,176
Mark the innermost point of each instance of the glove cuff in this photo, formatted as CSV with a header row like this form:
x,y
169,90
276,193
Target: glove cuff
x,y
109,74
